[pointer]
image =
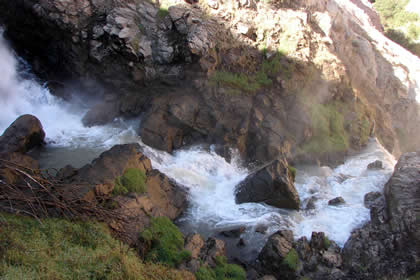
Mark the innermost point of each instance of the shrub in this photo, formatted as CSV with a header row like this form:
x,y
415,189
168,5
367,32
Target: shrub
x,y
223,270
61,249
291,259
327,243
133,180
165,242
163,12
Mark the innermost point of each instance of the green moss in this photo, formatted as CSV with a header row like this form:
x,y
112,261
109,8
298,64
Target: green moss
x,y
165,242
327,243
292,171
250,83
133,180
223,270
329,134
415,276
163,12
291,259
60,249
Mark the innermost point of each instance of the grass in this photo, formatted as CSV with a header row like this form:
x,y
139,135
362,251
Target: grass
x,y
133,180
250,83
60,249
327,243
165,242
292,171
222,271
163,12
291,259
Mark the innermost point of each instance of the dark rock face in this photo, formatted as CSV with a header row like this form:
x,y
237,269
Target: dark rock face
x,y
272,185
388,245
23,134
375,165
336,201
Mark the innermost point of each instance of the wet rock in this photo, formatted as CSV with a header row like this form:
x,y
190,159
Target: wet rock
x,y
234,233
374,199
336,201
241,243
23,134
310,205
377,164
101,114
261,229
272,185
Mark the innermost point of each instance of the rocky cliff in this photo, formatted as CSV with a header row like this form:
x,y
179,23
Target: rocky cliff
x,y
308,80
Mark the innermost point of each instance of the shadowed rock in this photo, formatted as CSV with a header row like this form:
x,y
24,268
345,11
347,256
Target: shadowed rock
x,y
272,185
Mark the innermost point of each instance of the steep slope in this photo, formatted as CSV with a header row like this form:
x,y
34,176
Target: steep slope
x,y
307,80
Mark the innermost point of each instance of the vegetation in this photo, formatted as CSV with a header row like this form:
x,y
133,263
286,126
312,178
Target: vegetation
x,y
269,69
401,26
292,171
163,12
291,259
133,180
60,249
415,276
165,242
327,243
222,271
329,134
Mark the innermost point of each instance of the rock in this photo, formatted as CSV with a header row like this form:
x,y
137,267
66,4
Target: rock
x,y
384,246
374,199
261,229
234,233
402,195
336,201
241,243
272,185
23,134
268,277
212,249
101,114
194,243
377,164
274,253
310,205
95,182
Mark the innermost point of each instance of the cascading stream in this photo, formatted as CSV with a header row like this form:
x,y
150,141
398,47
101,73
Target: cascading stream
x,y
209,178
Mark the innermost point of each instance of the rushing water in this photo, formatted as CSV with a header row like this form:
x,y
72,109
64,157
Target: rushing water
x,y
209,179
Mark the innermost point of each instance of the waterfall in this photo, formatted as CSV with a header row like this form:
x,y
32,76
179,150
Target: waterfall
x,y
210,179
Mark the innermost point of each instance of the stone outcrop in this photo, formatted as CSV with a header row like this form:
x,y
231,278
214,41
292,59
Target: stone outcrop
x,y
384,248
24,134
199,75
95,183
273,184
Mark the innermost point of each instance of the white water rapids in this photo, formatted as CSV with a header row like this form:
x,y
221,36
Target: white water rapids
x,y
209,178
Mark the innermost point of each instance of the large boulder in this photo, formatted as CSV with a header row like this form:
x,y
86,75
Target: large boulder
x,y
97,183
23,134
387,246
273,184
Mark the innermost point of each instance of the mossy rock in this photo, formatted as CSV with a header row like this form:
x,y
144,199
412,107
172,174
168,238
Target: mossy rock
x,y
292,171
165,242
133,180
223,270
291,260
